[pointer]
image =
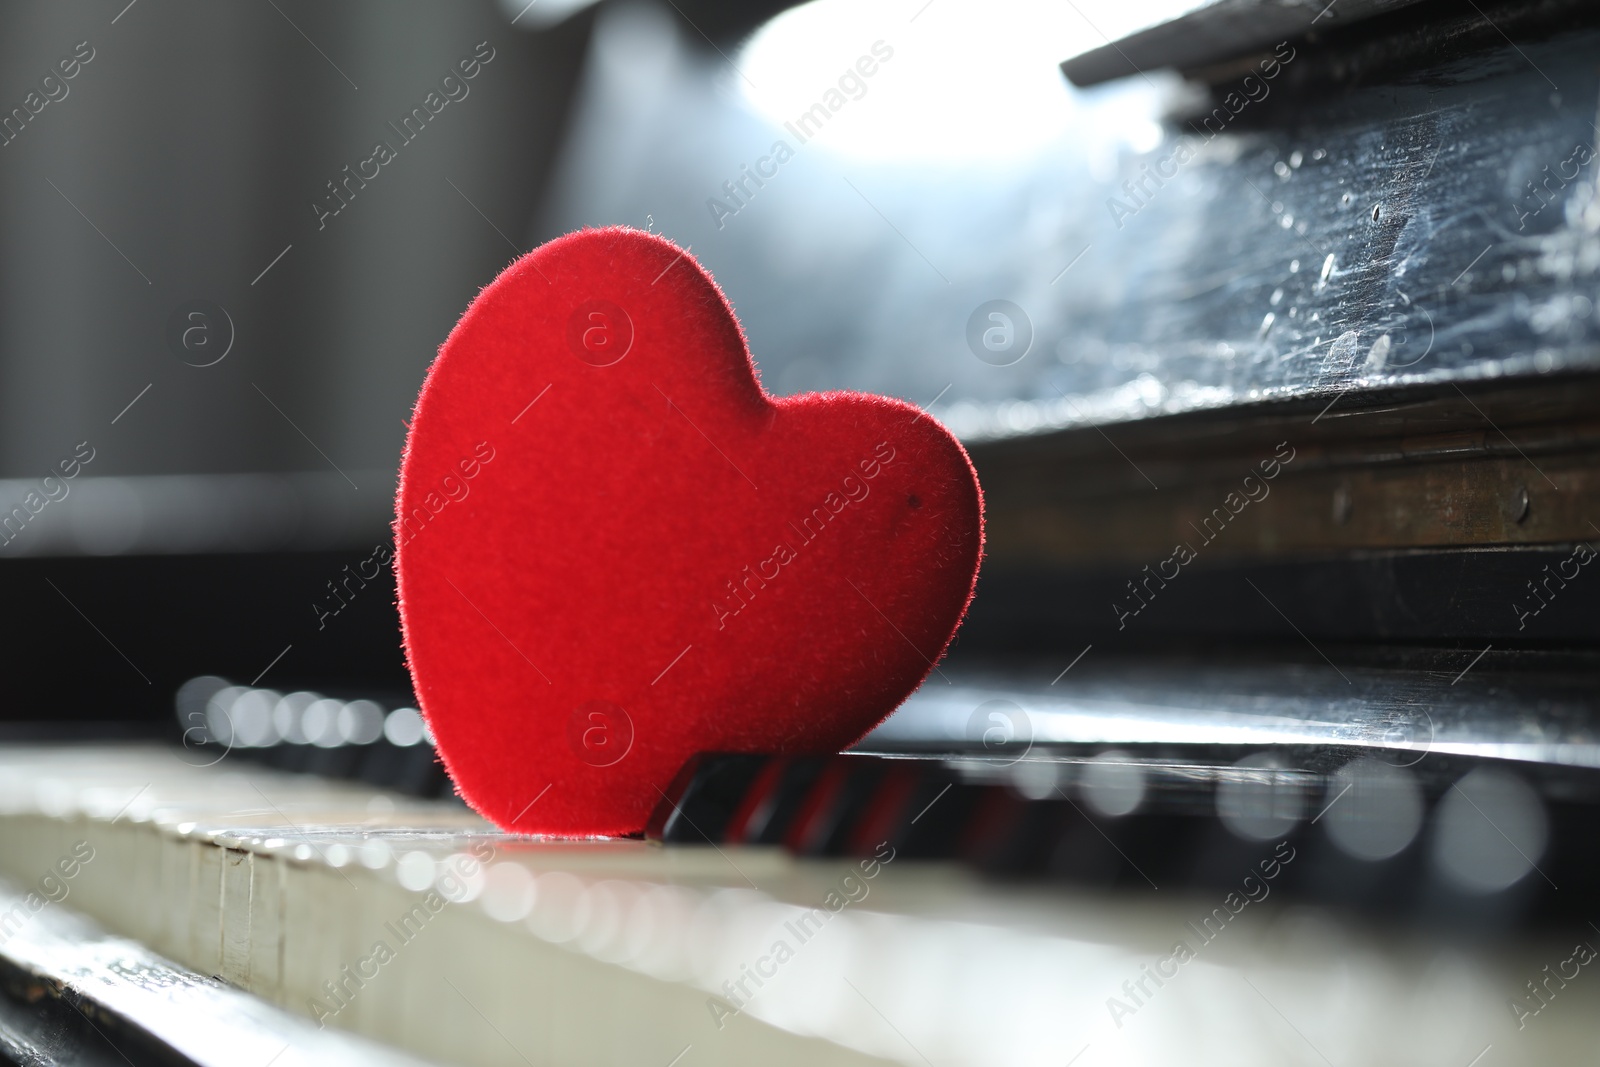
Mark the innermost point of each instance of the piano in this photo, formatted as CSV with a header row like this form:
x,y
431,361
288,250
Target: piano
x,y
1273,735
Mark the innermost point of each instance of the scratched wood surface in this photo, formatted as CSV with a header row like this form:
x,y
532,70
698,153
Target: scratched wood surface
x,y
1417,207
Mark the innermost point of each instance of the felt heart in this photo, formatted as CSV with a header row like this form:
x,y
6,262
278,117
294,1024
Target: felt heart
x,y
615,550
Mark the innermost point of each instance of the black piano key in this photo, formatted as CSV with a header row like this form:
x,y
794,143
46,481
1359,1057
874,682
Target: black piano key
x,y
381,763
819,811
941,811
887,809
758,803
993,830
701,801
340,761
291,757
1052,820
788,795
835,829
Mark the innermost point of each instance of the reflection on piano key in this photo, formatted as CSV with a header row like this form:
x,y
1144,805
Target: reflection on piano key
x,y
1260,799
309,732
403,727
1374,809
1067,812
1492,831
288,716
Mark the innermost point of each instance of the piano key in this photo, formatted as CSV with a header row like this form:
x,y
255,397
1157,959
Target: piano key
x,y
629,951
1195,816
97,999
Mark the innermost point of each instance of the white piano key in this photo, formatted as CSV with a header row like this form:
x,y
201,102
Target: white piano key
x,y
234,918
609,952
266,933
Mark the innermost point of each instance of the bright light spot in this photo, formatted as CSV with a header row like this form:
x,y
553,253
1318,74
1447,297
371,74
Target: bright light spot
x,y
1373,809
403,727
374,854
360,722
252,718
415,871
508,892
460,878
560,907
1260,800
539,14
958,81
287,716
1144,136
1113,784
219,713
1491,831
321,722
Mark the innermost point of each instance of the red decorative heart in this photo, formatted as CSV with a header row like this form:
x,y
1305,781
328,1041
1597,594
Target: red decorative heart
x,y
615,550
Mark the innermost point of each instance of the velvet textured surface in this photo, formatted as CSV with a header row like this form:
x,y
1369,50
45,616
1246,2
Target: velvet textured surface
x,y
615,550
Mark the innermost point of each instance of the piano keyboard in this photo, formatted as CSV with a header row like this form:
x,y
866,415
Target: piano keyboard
x,y
417,930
